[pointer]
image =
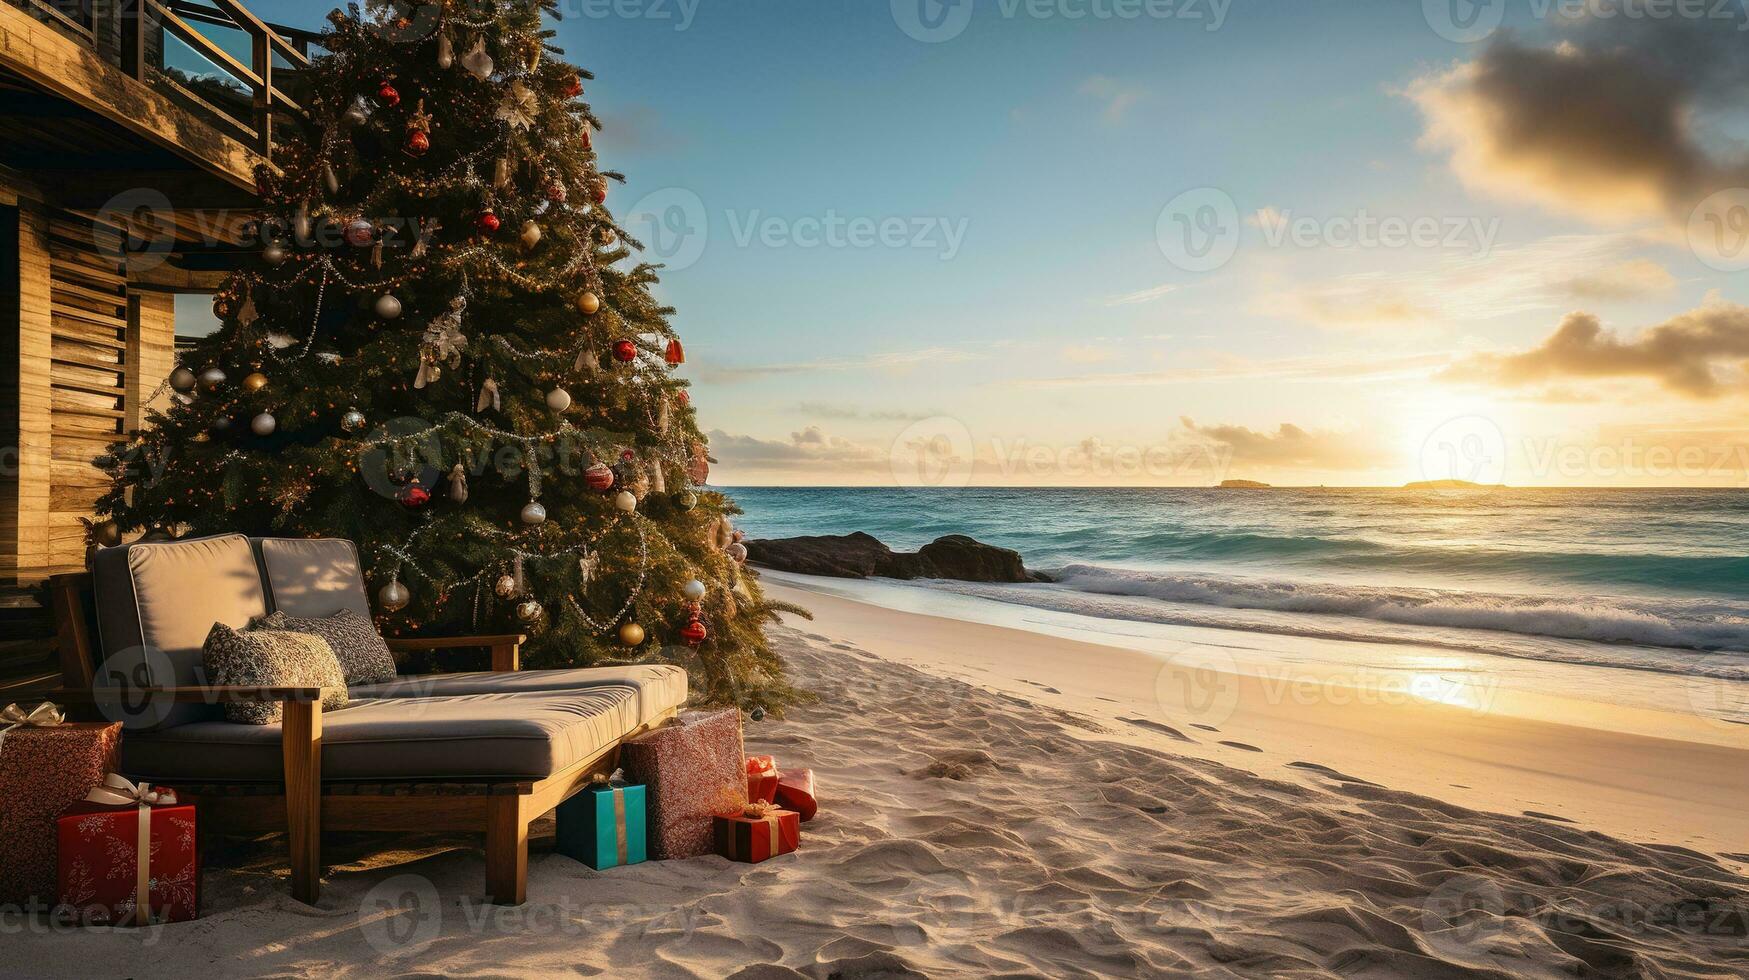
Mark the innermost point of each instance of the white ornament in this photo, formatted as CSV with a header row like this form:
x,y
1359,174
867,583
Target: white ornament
x,y
558,399
695,590
445,51
488,396
534,513
529,612
458,484
520,106
394,596
388,307
477,61
352,421
263,424
625,501
506,586
737,551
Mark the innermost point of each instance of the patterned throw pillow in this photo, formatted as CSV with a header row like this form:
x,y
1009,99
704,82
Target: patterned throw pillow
x,y
266,658
364,657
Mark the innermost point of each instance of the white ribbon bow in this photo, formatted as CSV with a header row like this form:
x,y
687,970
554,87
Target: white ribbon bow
x,y
118,790
45,715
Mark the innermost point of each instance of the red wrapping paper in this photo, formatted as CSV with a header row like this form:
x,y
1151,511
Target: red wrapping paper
x,y
752,839
692,770
761,778
99,863
795,791
42,771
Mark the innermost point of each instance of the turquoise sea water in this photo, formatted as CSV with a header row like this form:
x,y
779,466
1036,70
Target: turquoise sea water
x,y
1647,579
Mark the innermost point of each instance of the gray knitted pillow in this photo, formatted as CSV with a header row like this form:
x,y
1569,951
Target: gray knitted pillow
x,y
364,657
268,658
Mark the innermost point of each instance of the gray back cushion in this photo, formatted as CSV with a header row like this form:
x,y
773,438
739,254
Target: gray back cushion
x,y
312,578
156,603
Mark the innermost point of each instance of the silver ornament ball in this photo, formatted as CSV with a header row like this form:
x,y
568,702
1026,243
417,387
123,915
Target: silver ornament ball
x,y
274,254
558,399
534,513
353,420
388,307
183,380
212,376
263,424
695,590
626,502
506,586
529,612
737,551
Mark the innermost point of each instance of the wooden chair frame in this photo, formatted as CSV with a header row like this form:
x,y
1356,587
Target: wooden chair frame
x,y
305,805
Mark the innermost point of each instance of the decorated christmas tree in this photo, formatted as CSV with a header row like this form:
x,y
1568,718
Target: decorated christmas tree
x,y
447,352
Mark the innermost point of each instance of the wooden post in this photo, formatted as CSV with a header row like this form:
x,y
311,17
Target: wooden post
x,y
506,850
261,62
25,398
134,34
151,353
507,657
301,732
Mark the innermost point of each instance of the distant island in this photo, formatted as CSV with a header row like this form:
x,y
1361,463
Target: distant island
x,y
1452,485
1243,485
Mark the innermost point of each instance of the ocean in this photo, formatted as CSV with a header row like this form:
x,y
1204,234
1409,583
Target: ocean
x,y
1645,580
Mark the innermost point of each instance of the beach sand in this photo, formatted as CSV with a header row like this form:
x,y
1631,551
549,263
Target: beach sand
x,y
978,829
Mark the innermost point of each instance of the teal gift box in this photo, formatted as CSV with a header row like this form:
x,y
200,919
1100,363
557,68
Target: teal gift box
x,y
603,826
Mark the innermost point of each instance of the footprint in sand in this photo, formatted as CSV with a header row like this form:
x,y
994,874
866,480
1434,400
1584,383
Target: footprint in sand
x,y
1241,745
1155,726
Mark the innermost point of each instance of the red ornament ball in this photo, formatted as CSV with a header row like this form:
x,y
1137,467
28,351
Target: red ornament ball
x,y
388,95
573,86
599,192
625,351
684,398
413,496
694,633
626,455
599,477
489,223
360,233
418,142
556,192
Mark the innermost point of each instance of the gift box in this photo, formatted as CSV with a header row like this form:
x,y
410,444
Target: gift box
x,y
128,856
603,826
691,771
795,791
759,833
761,779
45,765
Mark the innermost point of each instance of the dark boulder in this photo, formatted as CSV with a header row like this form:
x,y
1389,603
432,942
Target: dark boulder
x,y
860,555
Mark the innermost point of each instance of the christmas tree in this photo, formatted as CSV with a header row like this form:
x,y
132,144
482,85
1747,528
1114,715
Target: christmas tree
x,y
446,352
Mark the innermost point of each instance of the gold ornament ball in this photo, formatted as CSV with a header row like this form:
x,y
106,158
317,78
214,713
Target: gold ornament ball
x,y
255,381
631,635
506,586
529,612
588,303
394,597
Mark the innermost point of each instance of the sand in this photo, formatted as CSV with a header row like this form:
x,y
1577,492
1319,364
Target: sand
x,y
977,832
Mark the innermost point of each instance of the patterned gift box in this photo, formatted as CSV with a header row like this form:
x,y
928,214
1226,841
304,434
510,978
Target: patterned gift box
x,y
603,826
691,771
45,765
759,833
795,791
761,779
113,854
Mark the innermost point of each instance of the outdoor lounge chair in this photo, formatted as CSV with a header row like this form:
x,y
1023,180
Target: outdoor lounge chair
x,y
487,752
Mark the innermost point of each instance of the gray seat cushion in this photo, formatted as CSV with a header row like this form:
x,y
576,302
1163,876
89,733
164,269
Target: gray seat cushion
x,y
482,737
156,602
657,687
312,577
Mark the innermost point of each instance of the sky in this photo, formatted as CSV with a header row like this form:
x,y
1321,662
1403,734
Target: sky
x,y
1175,242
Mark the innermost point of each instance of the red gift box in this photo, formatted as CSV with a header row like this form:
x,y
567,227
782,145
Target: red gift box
x,y
761,779
795,791
114,853
692,770
45,765
758,833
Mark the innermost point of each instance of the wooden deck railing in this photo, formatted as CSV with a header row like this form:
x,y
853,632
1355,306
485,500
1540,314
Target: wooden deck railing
x,y
247,92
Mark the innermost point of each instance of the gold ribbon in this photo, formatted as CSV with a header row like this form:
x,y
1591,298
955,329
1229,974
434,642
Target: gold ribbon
x,y
45,715
619,823
766,813
118,790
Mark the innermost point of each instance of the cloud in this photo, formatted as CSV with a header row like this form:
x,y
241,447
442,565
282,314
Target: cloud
x,y
1118,97
830,410
1537,277
809,449
1142,295
1605,124
891,361
1693,354
1087,354
1338,367
1291,445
